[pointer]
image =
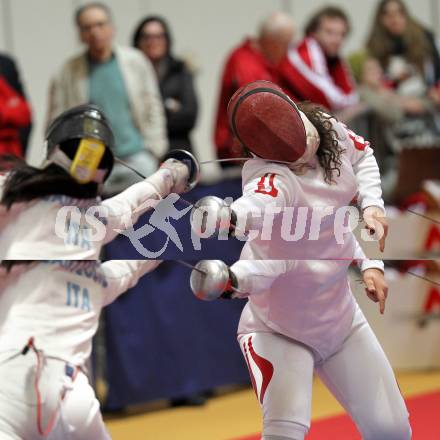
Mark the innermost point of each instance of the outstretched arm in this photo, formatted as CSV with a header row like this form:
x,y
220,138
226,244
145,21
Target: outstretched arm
x,y
257,276
213,279
265,193
124,210
122,275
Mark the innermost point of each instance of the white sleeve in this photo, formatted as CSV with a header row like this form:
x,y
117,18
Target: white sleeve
x,y
368,180
122,275
123,211
365,263
256,276
364,165
267,193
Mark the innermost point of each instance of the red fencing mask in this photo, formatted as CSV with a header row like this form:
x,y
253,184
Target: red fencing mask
x,y
267,122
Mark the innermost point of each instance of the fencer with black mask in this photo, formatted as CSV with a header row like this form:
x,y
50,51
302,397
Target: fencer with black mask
x,y
34,201
52,291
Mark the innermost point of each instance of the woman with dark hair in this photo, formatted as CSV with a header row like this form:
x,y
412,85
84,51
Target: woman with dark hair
x,y
408,54
301,316
56,211
406,50
153,38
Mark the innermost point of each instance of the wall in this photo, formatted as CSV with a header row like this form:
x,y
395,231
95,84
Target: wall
x,y
41,34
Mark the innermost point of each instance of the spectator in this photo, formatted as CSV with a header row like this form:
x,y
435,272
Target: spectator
x,y
15,113
406,50
153,38
391,110
254,59
409,57
377,91
314,70
123,83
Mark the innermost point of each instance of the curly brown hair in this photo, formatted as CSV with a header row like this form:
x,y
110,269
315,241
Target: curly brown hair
x,y
329,151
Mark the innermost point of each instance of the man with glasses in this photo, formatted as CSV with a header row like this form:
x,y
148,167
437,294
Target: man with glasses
x,y
123,83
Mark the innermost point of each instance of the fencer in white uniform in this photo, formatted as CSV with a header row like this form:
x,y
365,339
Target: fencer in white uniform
x,y
49,310
301,315
44,387
56,212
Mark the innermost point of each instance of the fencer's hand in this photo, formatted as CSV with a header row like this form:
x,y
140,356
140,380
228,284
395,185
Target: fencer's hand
x,y
376,224
212,279
180,173
376,287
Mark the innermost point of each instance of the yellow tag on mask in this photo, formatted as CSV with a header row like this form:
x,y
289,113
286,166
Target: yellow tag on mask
x,y
87,159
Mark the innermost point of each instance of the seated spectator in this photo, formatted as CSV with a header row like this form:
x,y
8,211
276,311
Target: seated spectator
x,y
15,113
406,51
314,70
153,38
377,91
256,58
395,115
122,82
410,61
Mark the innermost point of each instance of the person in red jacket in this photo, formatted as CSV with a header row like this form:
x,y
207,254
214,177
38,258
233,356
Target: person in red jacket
x,y
15,113
255,59
314,69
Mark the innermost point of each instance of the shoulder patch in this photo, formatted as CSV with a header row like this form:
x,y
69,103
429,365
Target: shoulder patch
x,y
266,185
359,142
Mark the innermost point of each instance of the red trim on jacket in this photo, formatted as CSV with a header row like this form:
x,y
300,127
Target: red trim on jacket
x,y
307,73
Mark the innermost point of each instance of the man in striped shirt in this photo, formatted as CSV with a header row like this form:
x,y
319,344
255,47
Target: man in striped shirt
x,y
314,69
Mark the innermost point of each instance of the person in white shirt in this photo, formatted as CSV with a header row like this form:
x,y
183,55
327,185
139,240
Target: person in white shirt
x,y
301,315
49,313
55,212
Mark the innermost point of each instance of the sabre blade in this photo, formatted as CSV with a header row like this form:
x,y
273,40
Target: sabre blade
x,y
190,266
393,266
240,159
205,162
423,215
236,159
423,278
122,162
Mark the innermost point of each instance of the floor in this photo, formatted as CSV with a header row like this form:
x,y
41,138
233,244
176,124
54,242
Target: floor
x,y
237,414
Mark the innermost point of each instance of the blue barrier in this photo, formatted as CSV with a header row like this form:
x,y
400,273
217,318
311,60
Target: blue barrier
x,y
161,341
